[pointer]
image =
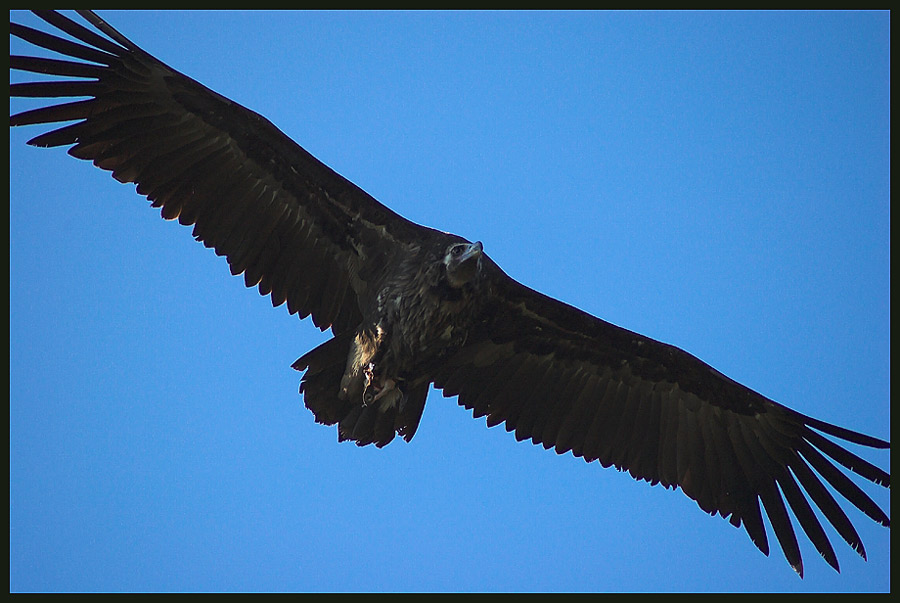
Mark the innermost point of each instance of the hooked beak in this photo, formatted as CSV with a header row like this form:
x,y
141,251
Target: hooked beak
x,y
473,252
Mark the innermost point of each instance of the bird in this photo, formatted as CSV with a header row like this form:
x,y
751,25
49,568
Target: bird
x,y
410,306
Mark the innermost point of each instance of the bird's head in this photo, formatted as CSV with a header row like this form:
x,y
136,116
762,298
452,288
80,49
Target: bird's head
x,y
463,262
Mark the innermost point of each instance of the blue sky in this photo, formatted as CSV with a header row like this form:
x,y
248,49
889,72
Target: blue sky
x,y
719,181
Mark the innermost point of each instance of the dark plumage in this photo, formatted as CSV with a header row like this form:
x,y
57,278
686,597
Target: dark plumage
x,y
428,302
410,306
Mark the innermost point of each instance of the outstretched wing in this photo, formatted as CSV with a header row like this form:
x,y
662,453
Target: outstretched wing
x,y
570,381
291,225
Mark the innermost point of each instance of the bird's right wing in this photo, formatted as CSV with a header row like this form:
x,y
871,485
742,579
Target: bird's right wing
x,y
573,382
294,227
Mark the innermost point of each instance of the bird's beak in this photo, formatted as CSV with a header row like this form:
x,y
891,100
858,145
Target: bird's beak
x,y
473,252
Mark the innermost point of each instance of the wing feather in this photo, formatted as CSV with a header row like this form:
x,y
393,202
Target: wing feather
x,y
207,161
579,384
558,407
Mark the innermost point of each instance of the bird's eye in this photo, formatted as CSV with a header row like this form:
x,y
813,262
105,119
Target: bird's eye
x,y
456,250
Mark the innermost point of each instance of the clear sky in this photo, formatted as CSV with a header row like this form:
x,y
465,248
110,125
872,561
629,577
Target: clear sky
x,y
718,181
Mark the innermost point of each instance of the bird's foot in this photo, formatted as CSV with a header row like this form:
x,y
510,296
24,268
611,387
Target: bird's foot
x,y
386,387
374,390
371,390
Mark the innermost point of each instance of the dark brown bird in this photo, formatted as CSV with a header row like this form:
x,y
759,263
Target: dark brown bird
x,y
410,306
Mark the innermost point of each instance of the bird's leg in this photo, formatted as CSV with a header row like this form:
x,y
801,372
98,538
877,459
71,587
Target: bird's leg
x,y
387,386
371,390
376,387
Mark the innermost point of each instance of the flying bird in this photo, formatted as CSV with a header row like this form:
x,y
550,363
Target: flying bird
x,y
410,306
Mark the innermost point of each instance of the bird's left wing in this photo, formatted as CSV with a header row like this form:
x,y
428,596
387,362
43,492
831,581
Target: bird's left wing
x,y
570,381
291,225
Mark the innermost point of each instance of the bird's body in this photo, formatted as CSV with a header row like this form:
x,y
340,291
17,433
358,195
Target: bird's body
x,y
410,306
422,312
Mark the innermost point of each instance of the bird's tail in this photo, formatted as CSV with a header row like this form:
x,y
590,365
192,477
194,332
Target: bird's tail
x,y
375,423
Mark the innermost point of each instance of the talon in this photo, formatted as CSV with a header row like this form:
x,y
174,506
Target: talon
x,y
386,387
369,395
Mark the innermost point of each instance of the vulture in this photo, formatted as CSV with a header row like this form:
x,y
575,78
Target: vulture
x,y
410,306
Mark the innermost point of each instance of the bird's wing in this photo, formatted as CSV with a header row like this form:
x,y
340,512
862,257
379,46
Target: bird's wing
x,y
570,381
291,225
